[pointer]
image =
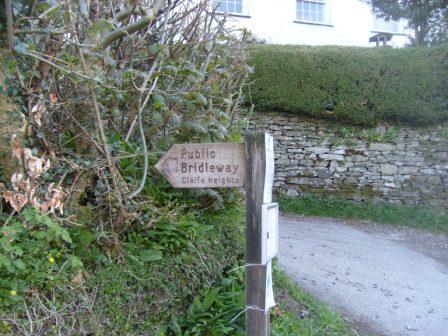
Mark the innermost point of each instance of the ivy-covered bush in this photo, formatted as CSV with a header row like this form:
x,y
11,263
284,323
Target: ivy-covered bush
x,y
353,85
93,240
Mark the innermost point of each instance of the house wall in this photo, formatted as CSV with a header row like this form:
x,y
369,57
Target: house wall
x,y
316,157
350,23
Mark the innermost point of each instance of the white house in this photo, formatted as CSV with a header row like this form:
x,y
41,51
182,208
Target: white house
x,y
313,22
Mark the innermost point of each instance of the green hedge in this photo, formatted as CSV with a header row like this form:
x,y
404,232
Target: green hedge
x,y
353,85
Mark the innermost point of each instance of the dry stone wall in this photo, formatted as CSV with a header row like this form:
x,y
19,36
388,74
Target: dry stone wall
x,y
318,157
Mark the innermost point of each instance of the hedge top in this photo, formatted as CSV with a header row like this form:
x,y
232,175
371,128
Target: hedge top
x,y
362,86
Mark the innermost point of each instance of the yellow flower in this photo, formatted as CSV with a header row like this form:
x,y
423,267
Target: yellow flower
x,y
13,292
50,258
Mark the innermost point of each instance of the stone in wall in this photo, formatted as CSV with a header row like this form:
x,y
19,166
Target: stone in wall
x,y
314,157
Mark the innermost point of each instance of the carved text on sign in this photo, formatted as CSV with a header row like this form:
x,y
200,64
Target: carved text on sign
x,y
214,165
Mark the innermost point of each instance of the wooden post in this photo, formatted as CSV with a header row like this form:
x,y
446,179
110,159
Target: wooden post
x,y
257,319
252,166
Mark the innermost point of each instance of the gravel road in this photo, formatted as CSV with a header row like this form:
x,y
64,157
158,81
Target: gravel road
x,y
386,280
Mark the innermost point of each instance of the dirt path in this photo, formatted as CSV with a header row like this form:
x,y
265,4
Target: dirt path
x,y
390,281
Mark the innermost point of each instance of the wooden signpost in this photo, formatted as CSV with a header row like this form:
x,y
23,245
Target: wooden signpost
x,y
212,165
259,182
229,165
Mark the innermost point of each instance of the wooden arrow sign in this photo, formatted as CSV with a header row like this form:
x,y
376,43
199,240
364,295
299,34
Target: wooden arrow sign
x,y
212,165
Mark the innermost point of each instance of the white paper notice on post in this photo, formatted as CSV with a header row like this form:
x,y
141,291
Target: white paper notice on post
x,y
269,177
269,300
269,232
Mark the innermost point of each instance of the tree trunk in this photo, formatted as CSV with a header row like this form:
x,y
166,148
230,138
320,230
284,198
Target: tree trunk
x,y
9,124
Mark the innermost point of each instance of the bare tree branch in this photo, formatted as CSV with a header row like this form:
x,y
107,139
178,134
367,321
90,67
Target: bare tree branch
x,y
132,27
42,31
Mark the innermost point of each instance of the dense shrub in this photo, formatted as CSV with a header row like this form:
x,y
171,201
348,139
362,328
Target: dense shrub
x,y
351,84
92,239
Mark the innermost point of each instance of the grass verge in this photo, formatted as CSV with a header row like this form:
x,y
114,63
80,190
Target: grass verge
x,y
219,310
299,313
381,212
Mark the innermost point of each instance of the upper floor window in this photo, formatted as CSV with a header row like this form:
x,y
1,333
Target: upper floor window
x,y
311,11
229,6
384,26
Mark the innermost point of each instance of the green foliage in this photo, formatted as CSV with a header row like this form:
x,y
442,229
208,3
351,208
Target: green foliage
x,y
85,244
34,253
148,293
369,135
112,294
153,88
218,311
381,212
360,86
444,132
131,251
169,236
